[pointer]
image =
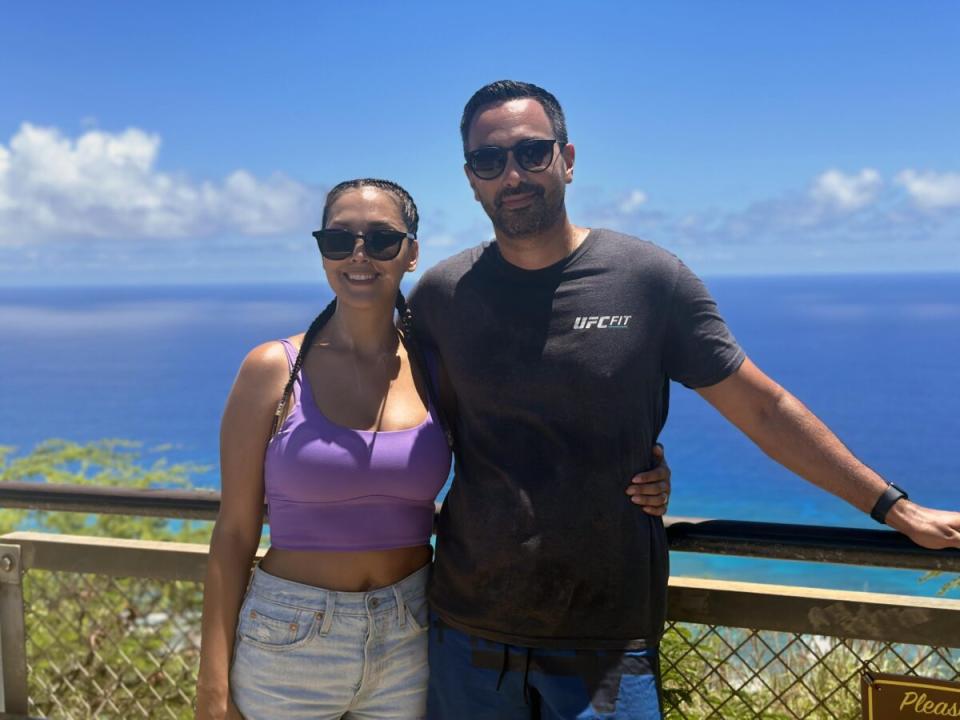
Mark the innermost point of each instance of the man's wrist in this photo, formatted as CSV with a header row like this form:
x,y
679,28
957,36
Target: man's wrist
x,y
900,516
888,499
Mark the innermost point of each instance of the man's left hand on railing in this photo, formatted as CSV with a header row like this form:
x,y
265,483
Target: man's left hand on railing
x,y
928,527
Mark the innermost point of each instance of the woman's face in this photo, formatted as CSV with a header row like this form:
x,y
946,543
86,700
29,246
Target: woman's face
x,y
361,281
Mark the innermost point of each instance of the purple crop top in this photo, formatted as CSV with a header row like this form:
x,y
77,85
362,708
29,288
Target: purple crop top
x,y
329,487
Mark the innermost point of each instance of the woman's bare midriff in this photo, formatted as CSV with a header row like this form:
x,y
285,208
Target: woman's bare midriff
x,y
356,571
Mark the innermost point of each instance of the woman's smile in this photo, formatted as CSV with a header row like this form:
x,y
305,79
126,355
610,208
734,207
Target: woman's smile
x,y
360,277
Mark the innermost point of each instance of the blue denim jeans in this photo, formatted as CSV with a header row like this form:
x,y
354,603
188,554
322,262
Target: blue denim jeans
x,y
475,679
305,652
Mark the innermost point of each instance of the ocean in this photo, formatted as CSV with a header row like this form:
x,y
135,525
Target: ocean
x,y
876,357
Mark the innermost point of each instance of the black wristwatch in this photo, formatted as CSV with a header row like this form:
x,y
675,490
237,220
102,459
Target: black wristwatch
x,y
885,502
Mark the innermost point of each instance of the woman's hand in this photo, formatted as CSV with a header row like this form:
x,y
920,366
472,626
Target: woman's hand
x,y
651,489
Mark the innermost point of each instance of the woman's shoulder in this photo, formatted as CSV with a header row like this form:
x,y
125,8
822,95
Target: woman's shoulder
x,y
256,390
294,340
267,361
270,352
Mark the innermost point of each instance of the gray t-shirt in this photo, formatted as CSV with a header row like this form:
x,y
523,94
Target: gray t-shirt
x,y
561,378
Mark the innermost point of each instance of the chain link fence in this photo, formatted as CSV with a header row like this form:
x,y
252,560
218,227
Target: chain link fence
x,y
734,673
109,647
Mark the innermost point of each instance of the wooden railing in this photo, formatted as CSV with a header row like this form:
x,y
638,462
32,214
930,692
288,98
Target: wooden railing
x,y
929,624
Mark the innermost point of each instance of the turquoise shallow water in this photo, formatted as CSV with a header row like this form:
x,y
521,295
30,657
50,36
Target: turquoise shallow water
x,y
875,356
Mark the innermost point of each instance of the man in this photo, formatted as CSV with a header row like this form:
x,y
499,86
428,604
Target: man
x,y
559,343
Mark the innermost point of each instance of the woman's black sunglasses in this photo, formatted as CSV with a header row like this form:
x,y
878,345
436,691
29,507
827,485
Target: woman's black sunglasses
x,y
490,161
338,244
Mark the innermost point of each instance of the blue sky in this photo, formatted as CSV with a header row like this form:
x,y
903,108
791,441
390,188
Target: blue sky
x,y
193,142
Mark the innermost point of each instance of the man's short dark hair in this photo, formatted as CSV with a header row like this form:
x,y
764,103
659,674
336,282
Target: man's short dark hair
x,y
504,90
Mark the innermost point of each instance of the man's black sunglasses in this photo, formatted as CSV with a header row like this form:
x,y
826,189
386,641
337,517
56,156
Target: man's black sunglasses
x,y
489,162
338,244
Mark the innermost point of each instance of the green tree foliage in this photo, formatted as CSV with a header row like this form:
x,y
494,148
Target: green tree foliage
x,y
106,463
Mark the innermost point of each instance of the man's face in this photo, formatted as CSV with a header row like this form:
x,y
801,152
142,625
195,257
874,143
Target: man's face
x,y
519,202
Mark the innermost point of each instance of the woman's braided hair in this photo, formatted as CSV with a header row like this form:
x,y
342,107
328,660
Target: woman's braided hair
x,y
411,218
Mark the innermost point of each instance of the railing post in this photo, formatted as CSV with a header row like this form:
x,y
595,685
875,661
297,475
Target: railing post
x,y
13,638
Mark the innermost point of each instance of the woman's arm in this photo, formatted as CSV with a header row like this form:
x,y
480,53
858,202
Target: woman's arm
x,y
244,434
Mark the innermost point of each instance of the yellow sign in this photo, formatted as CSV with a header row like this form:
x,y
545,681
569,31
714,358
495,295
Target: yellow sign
x,y
891,697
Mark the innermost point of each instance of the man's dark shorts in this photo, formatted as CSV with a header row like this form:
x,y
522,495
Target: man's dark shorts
x,y
474,679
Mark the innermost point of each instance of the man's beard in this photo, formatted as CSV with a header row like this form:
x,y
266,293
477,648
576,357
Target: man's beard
x,y
541,214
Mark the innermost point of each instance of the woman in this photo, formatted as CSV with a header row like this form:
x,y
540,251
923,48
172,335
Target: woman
x,y
338,429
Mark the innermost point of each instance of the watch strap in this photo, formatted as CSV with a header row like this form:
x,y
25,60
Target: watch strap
x,y
886,501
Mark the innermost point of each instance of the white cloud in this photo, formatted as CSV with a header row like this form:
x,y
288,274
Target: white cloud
x,y
848,222
633,201
846,192
106,185
931,190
